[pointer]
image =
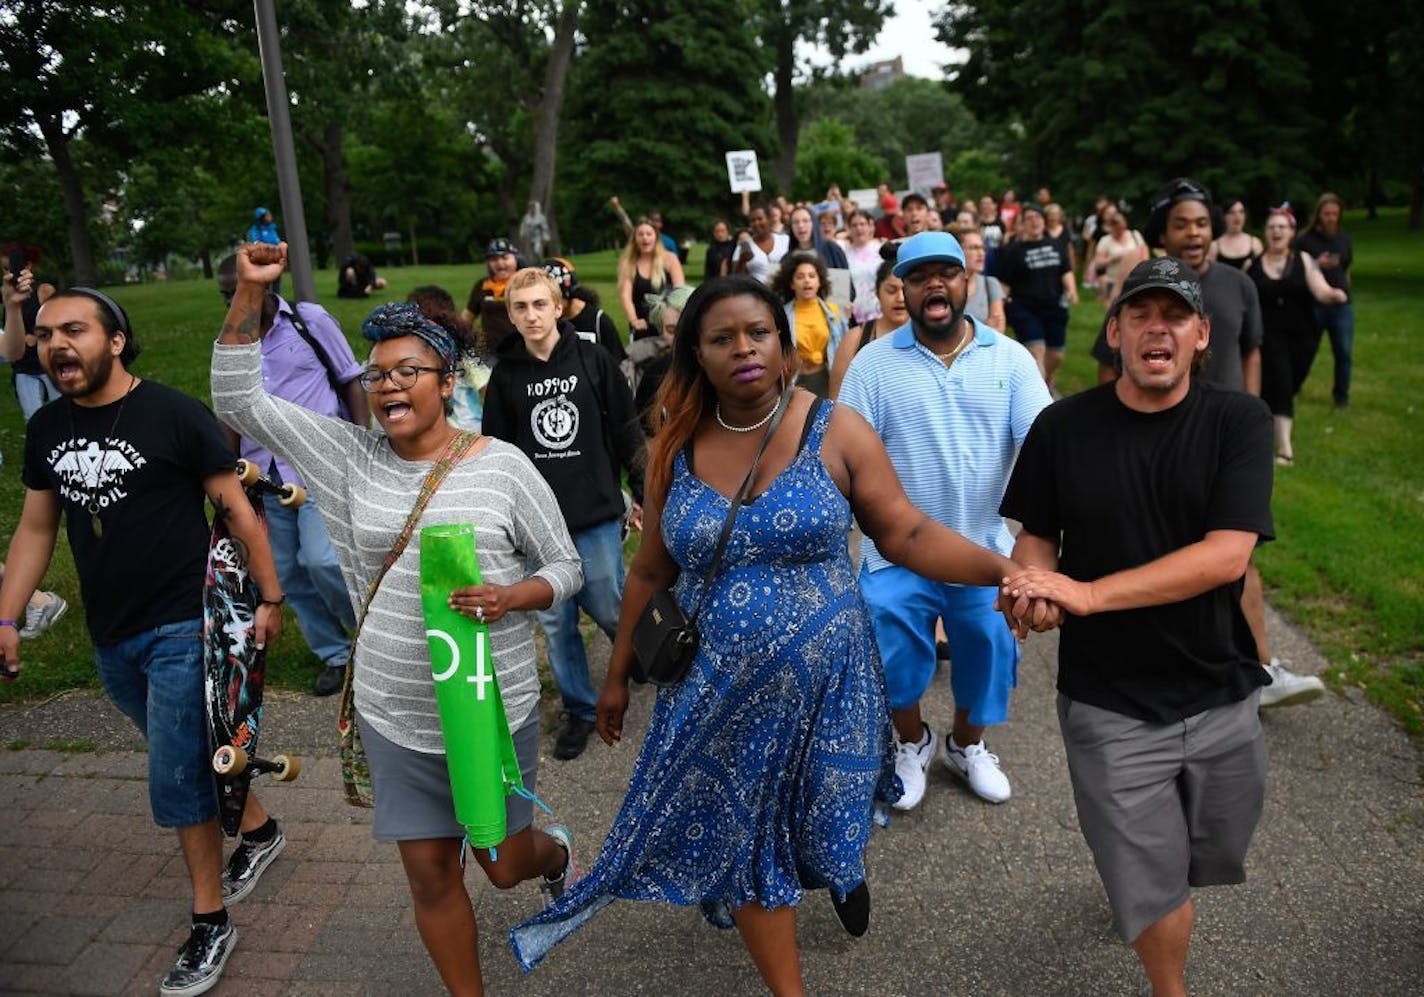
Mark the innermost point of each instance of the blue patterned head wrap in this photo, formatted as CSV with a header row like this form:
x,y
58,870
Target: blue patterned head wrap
x,y
395,319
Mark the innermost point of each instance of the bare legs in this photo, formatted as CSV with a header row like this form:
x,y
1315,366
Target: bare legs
x,y
1163,951
443,914
1253,607
910,726
254,814
770,938
202,853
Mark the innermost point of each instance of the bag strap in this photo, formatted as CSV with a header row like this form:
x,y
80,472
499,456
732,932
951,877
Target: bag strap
x,y
781,406
455,451
460,444
300,325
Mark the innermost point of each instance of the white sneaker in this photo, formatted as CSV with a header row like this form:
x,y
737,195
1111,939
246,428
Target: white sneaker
x,y
1287,688
911,763
979,769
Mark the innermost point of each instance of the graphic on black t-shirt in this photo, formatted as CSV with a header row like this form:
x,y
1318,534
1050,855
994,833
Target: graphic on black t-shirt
x,y
555,422
92,474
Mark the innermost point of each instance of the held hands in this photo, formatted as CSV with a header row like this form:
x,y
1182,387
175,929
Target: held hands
x,y
1021,594
486,603
261,263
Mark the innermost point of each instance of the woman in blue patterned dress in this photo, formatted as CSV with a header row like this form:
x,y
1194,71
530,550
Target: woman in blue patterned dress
x,y
759,770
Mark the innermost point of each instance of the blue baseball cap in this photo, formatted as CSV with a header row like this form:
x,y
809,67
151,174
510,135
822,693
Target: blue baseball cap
x,y
927,247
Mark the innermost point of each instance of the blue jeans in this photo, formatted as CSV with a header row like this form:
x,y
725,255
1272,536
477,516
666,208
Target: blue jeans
x,y
156,679
311,577
1339,322
600,548
32,391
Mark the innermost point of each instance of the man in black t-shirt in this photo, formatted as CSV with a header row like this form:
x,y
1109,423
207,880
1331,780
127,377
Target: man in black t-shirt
x,y
1183,222
128,463
1038,278
1141,502
1331,248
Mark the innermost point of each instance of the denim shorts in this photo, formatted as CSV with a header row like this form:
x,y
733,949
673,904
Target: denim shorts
x,y
156,679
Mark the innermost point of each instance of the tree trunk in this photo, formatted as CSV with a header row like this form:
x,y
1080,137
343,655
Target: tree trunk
x,y
206,256
788,126
338,193
546,130
414,249
76,217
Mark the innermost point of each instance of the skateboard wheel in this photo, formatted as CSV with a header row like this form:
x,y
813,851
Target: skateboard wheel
x,y
229,760
248,473
288,767
292,496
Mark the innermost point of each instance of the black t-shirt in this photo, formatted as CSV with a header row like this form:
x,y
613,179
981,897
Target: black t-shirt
x,y
1034,271
1123,488
1315,243
1235,313
147,478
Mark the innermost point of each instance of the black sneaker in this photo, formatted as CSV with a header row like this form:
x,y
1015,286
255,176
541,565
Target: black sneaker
x,y
573,738
329,681
200,960
249,860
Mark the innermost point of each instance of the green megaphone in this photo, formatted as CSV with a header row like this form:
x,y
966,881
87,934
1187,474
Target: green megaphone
x,y
479,751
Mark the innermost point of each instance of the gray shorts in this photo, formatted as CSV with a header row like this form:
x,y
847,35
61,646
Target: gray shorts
x,y
1165,807
412,789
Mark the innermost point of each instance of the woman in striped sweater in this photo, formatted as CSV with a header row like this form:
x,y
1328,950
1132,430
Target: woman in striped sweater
x,y
365,483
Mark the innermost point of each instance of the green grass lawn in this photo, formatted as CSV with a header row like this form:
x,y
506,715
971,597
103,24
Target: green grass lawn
x,y
1348,566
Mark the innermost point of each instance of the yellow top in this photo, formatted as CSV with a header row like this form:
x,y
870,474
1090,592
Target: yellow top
x,y
813,333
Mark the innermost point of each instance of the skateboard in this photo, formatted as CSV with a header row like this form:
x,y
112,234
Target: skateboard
x,y
233,667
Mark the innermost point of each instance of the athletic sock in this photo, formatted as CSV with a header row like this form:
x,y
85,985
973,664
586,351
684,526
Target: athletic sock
x,y
263,834
217,918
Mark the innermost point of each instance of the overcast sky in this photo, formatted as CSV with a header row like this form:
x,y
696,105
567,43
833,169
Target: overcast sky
x,y
911,35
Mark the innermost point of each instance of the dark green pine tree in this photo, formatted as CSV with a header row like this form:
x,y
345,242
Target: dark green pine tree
x,y
662,91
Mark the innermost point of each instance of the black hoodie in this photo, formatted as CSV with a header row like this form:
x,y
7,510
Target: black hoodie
x,y
573,416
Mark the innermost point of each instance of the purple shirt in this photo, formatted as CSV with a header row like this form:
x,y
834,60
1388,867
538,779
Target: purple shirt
x,y
292,371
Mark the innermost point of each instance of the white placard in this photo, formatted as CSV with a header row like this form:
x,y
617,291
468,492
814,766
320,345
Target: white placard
x,y
924,172
743,172
865,198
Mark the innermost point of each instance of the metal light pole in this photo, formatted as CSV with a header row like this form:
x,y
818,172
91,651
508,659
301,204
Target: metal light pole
x,y
289,184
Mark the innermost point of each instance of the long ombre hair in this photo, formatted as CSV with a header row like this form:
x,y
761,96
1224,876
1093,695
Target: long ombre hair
x,y
686,396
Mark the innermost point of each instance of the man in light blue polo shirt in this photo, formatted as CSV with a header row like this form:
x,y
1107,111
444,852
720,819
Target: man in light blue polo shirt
x,y
952,400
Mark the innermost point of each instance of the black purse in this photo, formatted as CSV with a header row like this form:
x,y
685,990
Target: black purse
x,y
665,638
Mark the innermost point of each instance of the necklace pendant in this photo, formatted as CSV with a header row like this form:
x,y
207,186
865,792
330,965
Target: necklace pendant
x,y
97,525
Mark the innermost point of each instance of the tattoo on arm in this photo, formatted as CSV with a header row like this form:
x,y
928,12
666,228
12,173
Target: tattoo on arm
x,y
242,328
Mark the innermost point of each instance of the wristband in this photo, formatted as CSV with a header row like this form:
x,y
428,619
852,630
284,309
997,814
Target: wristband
x,y
272,602
9,623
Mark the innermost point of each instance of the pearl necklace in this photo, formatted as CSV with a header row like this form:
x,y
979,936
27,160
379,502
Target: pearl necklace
x,y
717,411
